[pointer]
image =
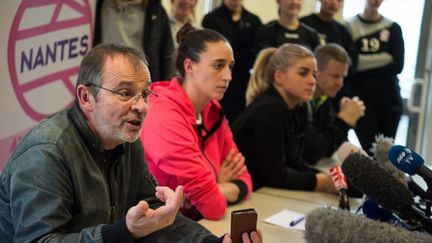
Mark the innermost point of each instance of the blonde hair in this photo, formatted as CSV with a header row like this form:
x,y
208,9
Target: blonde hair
x,y
269,61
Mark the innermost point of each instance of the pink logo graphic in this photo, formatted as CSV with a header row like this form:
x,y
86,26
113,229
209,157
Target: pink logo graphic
x,y
47,41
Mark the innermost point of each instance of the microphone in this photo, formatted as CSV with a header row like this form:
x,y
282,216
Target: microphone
x,y
415,188
373,211
375,182
324,225
380,150
410,162
341,185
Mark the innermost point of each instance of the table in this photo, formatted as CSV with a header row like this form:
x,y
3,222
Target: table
x,y
308,196
269,201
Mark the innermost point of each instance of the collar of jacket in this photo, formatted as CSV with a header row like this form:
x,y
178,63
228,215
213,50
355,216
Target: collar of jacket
x,y
89,138
228,13
271,90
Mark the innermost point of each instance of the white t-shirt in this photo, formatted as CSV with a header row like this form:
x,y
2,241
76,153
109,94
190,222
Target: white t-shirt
x,y
123,22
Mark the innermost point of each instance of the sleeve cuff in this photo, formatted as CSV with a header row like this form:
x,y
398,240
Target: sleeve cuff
x,y
213,239
243,190
342,124
116,232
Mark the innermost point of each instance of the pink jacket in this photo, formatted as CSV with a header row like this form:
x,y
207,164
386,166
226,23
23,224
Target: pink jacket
x,y
173,150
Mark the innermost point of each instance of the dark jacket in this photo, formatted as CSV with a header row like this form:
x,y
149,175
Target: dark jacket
x,y
325,131
241,36
376,81
270,136
274,35
333,32
157,43
60,185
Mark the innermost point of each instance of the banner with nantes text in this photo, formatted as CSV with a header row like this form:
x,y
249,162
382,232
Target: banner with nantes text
x,y
41,45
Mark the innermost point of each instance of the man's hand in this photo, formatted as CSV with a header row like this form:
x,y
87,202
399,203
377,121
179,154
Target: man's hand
x,y
253,237
232,167
142,220
350,110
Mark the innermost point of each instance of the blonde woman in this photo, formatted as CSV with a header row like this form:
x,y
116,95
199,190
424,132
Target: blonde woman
x,y
270,131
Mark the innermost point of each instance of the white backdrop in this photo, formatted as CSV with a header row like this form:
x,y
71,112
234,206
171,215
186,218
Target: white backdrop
x,y
41,45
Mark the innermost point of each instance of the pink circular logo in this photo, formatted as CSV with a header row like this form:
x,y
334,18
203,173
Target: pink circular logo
x,y
47,41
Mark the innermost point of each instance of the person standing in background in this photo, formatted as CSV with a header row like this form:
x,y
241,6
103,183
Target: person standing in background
x,y
182,12
270,131
331,31
380,46
142,24
287,29
239,26
186,137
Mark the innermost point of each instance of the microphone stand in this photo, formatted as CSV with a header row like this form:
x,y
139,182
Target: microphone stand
x,y
426,173
428,200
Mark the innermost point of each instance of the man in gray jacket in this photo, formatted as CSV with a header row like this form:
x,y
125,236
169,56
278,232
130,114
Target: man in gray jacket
x,y
80,175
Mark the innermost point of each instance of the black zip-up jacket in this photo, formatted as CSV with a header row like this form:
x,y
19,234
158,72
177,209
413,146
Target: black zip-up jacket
x,y
325,131
270,136
274,34
333,32
157,42
60,185
241,36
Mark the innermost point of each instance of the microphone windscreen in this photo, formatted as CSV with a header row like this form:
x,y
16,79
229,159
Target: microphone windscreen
x,y
380,150
325,225
404,159
372,180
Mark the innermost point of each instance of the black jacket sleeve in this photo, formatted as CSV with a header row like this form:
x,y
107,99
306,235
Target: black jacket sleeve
x,y
397,51
324,134
270,147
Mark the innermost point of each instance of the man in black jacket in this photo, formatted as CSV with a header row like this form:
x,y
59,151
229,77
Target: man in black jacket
x,y
327,130
142,24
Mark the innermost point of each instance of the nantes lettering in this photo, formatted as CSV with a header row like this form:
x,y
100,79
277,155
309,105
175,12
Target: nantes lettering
x,y
51,53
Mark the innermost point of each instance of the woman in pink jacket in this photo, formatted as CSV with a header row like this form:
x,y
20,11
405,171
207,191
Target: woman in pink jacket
x,y
186,137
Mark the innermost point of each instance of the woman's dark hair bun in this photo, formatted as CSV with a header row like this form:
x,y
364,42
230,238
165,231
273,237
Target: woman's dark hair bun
x,y
184,31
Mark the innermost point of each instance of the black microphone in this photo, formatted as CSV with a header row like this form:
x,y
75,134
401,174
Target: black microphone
x,y
324,225
415,188
383,188
380,150
410,162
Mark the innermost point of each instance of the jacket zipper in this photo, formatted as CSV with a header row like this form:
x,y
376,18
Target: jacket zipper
x,y
113,191
208,160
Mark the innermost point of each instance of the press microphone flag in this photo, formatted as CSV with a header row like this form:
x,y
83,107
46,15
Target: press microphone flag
x,y
383,188
410,162
341,185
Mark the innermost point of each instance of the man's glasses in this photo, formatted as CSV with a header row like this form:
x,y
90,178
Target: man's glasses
x,y
126,95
